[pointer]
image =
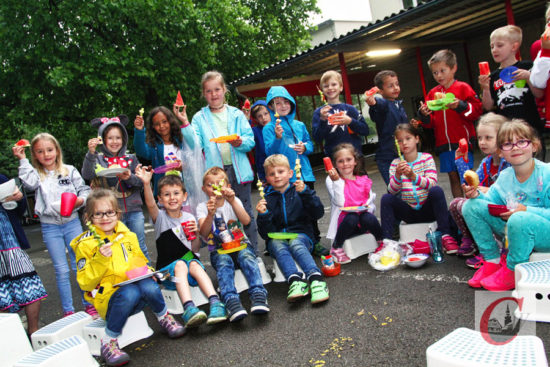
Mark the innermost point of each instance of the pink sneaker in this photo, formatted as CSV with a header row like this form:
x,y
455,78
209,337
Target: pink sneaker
x,y
475,262
90,310
483,272
450,246
68,313
340,256
502,280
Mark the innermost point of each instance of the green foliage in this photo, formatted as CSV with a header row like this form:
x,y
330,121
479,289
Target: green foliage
x,y
66,62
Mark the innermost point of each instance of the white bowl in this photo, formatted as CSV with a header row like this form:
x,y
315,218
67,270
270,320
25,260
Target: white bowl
x,y
416,260
7,189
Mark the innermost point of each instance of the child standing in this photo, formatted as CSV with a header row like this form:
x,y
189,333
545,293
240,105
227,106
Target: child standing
x,y
348,128
488,171
105,253
387,112
349,185
219,119
49,177
415,177
260,114
524,190
220,220
176,254
291,208
455,123
110,148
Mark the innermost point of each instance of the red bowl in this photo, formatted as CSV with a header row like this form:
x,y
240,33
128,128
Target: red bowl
x,y
331,272
497,210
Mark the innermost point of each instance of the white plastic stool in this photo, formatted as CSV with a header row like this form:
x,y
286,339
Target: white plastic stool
x,y
533,285
241,284
136,328
415,231
360,245
72,351
279,276
538,256
467,348
173,302
14,343
60,329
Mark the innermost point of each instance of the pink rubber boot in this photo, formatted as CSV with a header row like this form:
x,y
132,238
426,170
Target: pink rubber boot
x,y
486,270
502,280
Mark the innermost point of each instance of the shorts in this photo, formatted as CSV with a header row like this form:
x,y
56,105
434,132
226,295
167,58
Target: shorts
x,y
447,161
168,284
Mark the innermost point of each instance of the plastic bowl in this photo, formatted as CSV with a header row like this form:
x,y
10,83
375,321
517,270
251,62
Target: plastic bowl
x,y
331,272
6,189
416,260
137,272
496,210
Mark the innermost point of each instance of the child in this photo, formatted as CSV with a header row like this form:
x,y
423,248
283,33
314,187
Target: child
x,y
105,253
291,208
219,119
455,123
488,171
220,221
347,128
49,177
415,177
387,112
349,185
176,254
260,114
162,142
524,190
110,148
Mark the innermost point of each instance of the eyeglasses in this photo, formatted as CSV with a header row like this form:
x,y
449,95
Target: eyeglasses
x,y
108,214
521,144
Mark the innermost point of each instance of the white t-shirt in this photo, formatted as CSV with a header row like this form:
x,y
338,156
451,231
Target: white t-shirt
x,y
172,151
225,211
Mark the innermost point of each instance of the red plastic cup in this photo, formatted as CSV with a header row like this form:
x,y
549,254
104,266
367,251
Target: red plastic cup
x,y
484,68
68,199
190,235
328,163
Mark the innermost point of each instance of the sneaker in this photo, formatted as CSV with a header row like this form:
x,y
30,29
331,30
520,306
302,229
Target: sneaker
x,y
170,326
112,354
193,317
449,244
68,313
319,291
500,281
466,248
340,256
297,290
258,301
485,269
90,310
320,250
235,310
474,262
217,313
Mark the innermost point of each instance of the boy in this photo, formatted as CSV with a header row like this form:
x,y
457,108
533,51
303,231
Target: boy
x,y
347,128
221,220
291,208
387,112
177,254
456,120
260,114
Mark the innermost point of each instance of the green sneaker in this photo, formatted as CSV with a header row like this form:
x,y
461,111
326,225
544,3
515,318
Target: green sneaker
x,y
319,250
319,291
297,290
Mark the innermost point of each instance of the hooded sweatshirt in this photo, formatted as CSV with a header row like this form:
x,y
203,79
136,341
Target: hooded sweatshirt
x,y
294,131
259,148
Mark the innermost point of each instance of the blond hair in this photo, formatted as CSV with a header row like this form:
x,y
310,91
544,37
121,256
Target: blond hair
x,y
509,32
213,171
521,130
98,195
547,15
331,74
492,119
276,160
59,165
446,56
213,75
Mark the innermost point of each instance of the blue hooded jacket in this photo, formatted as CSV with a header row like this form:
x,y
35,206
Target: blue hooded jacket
x,y
259,148
294,132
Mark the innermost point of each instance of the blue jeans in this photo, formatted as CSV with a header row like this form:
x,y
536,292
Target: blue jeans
x,y
225,271
57,238
135,221
299,250
131,299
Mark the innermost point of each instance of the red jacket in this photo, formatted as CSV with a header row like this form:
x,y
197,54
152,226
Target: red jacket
x,y
449,125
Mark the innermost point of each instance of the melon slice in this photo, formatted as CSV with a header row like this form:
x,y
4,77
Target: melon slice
x,y
23,143
179,100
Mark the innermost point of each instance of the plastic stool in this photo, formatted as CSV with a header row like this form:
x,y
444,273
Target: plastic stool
x,y
136,328
14,343
173,302
60,329
279,276
415,231
467,348
72,351
360,245
533,286
539,256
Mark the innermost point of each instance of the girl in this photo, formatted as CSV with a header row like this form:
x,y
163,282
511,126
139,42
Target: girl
x,y
20,285
524,190
162,142
415,177
488,171
105,253
110,148
49,177
219,119
260,115
349,185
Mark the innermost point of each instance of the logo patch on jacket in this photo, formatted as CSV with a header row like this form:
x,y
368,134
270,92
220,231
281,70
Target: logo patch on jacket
x,y
81,263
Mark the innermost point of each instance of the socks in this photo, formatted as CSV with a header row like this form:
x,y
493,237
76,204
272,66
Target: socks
x,y
294,278
315,276
107,339
213,299
161,317
188,304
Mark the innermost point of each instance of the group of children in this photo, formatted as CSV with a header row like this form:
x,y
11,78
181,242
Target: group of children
x,y
205,195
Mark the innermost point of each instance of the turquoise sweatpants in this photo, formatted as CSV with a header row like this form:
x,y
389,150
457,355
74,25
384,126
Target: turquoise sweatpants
x,y
527,232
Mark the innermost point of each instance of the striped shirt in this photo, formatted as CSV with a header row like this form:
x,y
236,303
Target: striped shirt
x,y
414,193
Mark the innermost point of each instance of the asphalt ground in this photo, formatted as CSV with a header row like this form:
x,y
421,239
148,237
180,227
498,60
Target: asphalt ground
x,y
372,318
